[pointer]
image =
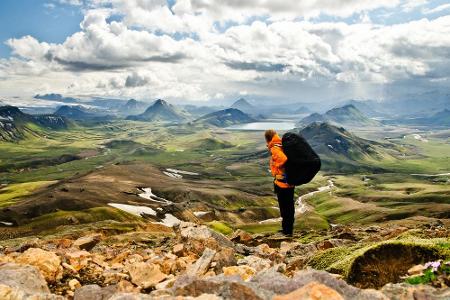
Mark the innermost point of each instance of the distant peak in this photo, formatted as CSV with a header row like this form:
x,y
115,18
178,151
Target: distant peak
x,y
159,102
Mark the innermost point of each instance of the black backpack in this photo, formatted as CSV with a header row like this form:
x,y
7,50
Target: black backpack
x,y
303,162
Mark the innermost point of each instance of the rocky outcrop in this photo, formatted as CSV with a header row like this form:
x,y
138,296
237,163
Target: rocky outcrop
x,y
194,263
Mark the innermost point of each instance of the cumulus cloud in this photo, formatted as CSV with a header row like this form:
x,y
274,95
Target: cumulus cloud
x,y
150,50
135,80
238,10
437,9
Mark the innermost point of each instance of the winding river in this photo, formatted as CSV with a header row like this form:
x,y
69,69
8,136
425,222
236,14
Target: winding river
x,y
300,206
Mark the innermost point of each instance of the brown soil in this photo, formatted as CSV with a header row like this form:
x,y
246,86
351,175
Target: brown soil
x,y
387,263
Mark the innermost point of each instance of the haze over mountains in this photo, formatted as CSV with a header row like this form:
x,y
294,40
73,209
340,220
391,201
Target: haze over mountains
x,y
346,115
224,118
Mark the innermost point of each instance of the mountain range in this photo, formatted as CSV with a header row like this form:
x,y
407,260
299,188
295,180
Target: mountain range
x,y
244,106
329,141
225,118
160,111
15,125
347,115
439,119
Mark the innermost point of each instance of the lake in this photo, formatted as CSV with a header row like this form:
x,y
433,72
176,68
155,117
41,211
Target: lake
x,y
260,126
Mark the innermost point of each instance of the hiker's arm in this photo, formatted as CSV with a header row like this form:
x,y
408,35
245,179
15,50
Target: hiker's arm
x,y
278,157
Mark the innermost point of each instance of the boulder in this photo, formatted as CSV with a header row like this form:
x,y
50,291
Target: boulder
x,y
198,237
77,259
312,291
221,286
26,278
13,293
285,247
279,284
48,263
201,266
347,291
244,272
145,275
224,258
255,262
74,284
179,250
94,292
87,242
130,296
242,237
403,291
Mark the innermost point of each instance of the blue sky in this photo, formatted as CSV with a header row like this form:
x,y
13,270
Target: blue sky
x,y
31,17
221,49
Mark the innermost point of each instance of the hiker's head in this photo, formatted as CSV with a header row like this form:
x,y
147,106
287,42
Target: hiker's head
x,y
269,134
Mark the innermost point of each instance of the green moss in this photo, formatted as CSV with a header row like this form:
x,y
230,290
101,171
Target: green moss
x,y
9,194
220,227
341,260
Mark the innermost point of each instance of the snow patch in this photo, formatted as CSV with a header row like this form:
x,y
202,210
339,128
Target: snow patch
x,y
134,209
431,175
6,223
172,175
169,221
419,138
147,194
175,171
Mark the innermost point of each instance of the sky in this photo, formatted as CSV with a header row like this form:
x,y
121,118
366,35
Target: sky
x,y
211,51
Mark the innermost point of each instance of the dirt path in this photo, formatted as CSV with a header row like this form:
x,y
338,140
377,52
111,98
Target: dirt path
x,y
300,206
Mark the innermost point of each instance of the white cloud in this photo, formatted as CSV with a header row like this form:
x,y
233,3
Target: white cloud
x,y
151,51
437,9
71,2
410,5
239,10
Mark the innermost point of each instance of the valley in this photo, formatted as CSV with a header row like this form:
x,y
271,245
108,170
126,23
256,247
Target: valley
x,y
123,177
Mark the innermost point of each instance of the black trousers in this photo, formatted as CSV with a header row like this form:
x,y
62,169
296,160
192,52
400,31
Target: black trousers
x,y
287,208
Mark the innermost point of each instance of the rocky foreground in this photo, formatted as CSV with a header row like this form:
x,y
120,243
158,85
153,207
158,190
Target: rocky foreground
x,y
195,262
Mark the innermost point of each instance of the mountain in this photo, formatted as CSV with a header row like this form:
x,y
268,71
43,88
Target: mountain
x,y
369,108
56,98
331,142
132,107
349,115
15,125
315,117
243,106
199,111
224,118
160,111
75,112
439,119
346,115
303,110
442,118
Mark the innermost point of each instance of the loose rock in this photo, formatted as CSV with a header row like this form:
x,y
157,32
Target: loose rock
x,y
48,263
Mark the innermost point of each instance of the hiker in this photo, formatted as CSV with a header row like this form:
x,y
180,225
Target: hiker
x,y
284,191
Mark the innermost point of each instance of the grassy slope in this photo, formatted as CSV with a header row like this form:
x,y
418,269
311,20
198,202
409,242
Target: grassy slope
x,y
384,196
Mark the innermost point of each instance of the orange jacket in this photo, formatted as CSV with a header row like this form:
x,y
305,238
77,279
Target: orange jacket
x,y
277,162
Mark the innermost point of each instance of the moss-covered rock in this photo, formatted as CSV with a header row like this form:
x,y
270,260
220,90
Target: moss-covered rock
x,y
375,264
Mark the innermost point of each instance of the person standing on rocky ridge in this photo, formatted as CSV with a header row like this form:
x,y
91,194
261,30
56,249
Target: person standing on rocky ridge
x,y
283,190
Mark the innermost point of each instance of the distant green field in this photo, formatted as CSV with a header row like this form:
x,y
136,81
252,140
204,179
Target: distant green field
x,y
366,191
